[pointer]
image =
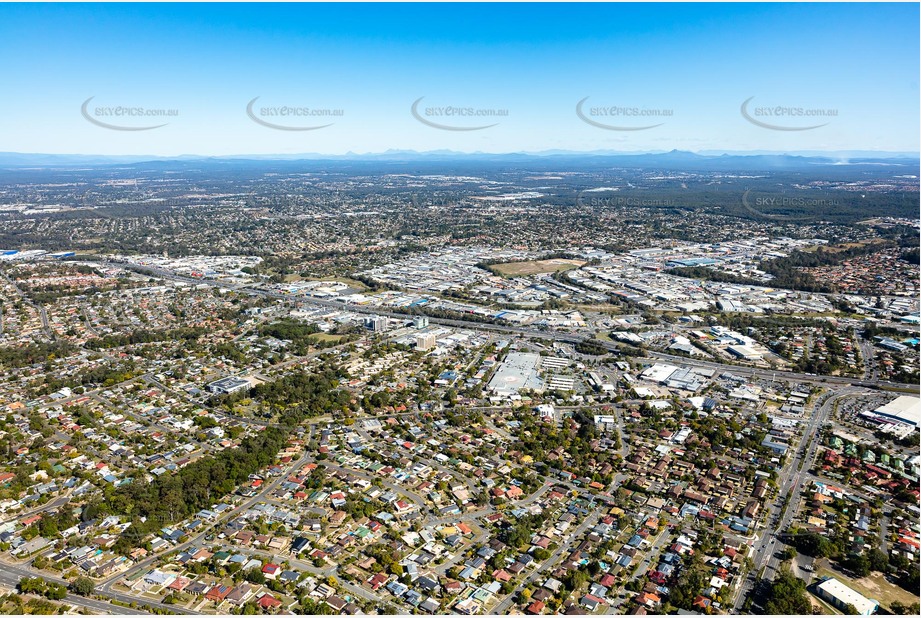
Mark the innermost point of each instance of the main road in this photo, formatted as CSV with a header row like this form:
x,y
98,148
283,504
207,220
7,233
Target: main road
x,y
528,332
11,574
270,487
790,487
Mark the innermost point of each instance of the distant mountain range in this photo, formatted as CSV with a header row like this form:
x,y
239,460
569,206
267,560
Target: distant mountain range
x,y
671,159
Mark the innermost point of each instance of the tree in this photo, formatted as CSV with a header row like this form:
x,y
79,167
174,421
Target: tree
x,y
55,591
878,559
31,585
899,608
84,586
255,576
814,545
786,595
859,564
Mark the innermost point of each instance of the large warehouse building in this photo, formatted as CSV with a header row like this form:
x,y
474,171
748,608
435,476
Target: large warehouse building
x,y
902,409
841,596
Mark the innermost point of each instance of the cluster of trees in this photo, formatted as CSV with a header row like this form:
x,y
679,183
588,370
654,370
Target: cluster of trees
x,y
15,604
102,374
861,564
575,438
183,333
591,346
382,399
872,330
815,545
794,280
905,610
729,434
575,579
33,353
772,325
26,272
230,351
912,256
300,395
448,314
50,524
518,534
692,580
314,607
357,508
168,499
831,359
298,333
84,586
165,500
786,595
37,585
386,559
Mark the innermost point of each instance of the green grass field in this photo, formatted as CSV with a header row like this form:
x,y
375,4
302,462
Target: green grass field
x,y
874,586
535,267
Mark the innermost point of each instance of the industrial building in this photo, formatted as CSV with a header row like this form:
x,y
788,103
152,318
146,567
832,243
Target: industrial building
x,y
658,373
841,596
903,409
744,352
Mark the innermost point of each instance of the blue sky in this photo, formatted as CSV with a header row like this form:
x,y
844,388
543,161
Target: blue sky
x,y
692,65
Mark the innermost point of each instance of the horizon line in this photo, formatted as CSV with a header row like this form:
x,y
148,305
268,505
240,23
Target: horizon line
x,y
806,153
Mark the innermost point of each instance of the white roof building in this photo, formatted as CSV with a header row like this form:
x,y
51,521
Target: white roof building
x,y
658,373
841,596
903,409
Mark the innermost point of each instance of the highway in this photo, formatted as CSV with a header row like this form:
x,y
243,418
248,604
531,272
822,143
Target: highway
x,y
790,481
528,332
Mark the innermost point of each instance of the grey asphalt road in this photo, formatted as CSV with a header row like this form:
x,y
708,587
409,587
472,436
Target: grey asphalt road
x,y
11,574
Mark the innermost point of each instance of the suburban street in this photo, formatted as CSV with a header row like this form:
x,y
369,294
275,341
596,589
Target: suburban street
x,y
791,479
790,486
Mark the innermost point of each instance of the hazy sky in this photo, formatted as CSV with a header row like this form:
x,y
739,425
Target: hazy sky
x,y
692,66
